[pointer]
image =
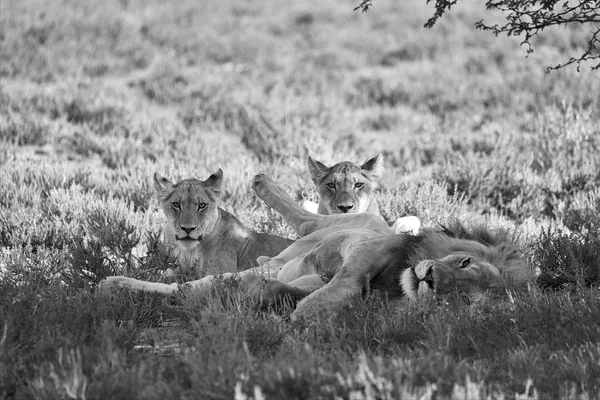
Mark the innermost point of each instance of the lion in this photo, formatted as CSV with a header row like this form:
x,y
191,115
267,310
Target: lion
x,y
339,255
345,187
206,237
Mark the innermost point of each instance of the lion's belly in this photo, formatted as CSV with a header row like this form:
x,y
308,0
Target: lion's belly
x,y
326,256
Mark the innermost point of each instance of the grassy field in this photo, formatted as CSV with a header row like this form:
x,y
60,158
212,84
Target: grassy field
x,y
97,96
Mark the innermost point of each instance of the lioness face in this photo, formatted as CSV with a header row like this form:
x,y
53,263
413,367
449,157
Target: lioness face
x,y
345,187
191,207
456,273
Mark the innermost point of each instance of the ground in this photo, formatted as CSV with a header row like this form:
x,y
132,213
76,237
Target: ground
x,y
96,97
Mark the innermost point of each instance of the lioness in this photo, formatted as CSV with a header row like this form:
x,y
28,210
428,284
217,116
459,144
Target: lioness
x,y
345,187
348,188
206,236
338,255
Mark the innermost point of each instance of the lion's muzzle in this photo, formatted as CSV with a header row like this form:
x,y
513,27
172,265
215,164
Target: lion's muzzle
x,y
419,281
424,272
188,238
345,208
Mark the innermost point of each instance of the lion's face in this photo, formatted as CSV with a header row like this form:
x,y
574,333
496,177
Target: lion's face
x,y
191,207
345,187
457,273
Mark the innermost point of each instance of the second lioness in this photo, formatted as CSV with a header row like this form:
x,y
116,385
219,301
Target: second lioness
x,y
346,187
208,238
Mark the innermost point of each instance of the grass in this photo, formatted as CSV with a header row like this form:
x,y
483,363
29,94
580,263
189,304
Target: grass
x,y
95,98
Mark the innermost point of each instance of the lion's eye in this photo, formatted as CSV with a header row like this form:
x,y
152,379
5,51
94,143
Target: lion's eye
x,y
331,185
202,206
176,205
359,185
465,262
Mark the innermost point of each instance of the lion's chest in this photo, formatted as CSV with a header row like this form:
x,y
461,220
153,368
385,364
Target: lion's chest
x,y
210,259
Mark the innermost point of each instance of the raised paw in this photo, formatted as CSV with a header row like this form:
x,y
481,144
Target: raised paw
x,y
267,190
262,185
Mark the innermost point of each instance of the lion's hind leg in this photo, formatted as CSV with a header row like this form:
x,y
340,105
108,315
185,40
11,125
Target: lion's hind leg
x,y
366,259
303,221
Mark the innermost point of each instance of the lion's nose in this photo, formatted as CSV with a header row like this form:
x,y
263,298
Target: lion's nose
x,y
424,270
187,229
345,208
429,275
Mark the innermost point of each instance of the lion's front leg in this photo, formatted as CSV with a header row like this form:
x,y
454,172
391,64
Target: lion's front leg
x,y
257,285
135,284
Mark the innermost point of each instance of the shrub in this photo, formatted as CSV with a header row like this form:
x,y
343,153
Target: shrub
x,y
568,259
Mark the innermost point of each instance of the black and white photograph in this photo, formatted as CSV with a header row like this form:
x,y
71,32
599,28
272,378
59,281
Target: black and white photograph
x,y
310,200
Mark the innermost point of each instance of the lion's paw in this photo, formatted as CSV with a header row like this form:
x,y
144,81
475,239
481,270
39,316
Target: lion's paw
x,y
266,189
409,224
310,206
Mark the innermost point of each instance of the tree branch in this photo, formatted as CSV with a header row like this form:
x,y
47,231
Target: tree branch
x,y
530,18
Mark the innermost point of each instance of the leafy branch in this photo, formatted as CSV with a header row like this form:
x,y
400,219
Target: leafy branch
x,y
530,18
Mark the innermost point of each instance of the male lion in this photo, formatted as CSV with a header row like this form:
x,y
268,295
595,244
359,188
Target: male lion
x,y
345,187
338,255
207,237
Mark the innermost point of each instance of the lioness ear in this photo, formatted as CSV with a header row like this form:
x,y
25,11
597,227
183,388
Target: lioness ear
x,y
214,181
162,185
316,168
374,167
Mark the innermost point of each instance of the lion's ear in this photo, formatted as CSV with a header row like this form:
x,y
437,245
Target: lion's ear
x,y
214,182
316,168
162,185
374,166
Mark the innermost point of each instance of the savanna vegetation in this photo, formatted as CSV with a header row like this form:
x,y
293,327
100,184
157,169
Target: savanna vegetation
x,y
97,96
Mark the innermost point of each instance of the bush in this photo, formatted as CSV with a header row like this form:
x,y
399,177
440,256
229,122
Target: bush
x,y
568,259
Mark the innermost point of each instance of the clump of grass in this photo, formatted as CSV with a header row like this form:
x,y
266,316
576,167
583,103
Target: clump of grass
x,y
111,244
568,259
377,91
131,188
164,84
159,257
42,43
494,185
210,104
429,201
21,130
66,319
